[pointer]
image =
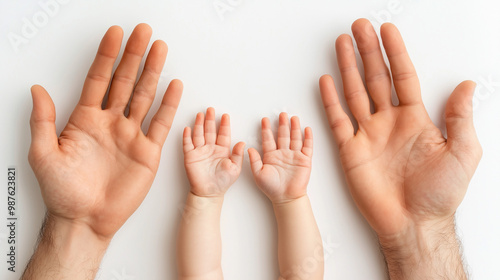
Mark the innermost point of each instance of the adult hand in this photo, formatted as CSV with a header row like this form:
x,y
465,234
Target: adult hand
x,y
98,171
406,178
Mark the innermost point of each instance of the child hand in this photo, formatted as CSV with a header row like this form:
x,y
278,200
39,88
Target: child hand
x,y
284,171
210,166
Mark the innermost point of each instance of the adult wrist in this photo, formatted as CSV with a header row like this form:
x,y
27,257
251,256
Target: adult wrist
x,y
71,237
425,250
67,249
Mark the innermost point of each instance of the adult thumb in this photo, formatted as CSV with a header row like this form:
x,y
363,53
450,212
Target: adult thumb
x,y
462,136
42,123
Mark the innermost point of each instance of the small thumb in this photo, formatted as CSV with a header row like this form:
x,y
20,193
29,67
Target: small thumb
x,y
459,123
42,122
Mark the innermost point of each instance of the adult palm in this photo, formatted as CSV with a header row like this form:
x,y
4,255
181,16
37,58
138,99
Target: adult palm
x,y
400,169
98,171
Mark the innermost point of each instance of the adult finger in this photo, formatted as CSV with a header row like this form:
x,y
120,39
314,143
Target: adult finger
x,y
145,91
377,75
354,89
340,124
403,72
126,73
99,75
162,120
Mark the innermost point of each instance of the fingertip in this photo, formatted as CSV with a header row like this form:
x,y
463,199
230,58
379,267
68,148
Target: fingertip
x,y
325,78
225,117
253,154
387,25
295,121
34,89
308,132
176,83
210,113
468,84
283,118
359,24
114,33
160,46
265,123
144,28
200,117
115,29
239,148
344,40
388,28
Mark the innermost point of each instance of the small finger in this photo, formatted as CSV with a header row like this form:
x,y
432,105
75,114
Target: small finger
x,y
210,127
255,161
268,143
238,154
296,134
283,132
308,142
187,141
198,130
224,136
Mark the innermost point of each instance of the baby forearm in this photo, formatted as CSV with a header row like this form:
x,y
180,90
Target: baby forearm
x,y
300,247
199,244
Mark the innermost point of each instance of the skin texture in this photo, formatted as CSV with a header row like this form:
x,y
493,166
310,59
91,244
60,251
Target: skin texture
x,y
211,168
283,174
406,178
98,171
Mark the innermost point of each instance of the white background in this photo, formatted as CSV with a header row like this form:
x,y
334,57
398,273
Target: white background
x,y
257,59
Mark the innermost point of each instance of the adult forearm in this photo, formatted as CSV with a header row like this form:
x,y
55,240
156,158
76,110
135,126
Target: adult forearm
x,y
199,245
300,247
424,252
66,250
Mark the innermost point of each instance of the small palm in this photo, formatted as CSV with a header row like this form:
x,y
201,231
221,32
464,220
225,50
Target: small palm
x,y
210,169
283,172
210,166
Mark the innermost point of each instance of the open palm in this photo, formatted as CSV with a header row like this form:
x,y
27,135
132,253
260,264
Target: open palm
x,y
210,166
101,167
399,167
283,172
